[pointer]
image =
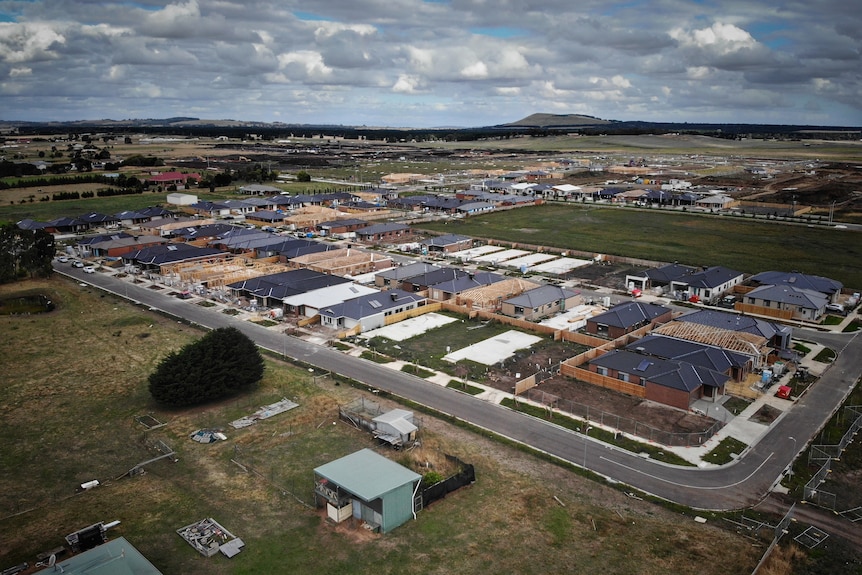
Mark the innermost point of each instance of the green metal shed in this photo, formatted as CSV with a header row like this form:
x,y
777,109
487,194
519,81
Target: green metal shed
x,y
368,487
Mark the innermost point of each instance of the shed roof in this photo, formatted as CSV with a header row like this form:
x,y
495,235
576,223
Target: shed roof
x,y
367,474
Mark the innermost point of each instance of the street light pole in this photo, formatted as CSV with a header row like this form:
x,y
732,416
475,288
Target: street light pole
x,y
586,440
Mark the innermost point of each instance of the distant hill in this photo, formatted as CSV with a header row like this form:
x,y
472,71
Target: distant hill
x,y
557,121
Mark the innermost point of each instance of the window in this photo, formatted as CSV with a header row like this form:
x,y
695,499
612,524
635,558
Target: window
x,y
601,370
623,376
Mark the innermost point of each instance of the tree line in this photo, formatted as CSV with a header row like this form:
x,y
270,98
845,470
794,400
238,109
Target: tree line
x,y
24,253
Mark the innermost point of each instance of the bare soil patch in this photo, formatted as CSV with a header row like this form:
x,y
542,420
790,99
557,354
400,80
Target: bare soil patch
x,y
598,401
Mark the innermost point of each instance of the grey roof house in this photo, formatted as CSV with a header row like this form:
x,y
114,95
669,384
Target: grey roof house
x,y
369,311
707,285
540,302
627,317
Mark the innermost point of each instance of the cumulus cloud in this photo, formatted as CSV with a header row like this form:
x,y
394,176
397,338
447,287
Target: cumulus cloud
x,y
401,62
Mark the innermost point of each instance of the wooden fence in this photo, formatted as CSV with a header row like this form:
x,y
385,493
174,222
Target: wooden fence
x,y
603,381
415,312
784,314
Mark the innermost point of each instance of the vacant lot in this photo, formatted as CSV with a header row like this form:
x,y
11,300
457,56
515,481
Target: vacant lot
x,y
74,379
694,240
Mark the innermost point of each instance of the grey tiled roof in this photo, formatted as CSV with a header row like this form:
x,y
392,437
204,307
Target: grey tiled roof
x,y
626,315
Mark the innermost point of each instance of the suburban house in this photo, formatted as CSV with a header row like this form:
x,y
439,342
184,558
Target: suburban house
x,y
156,258
777,335
97,220
369,311
393,277
803,304
369,488
829,288
259,190
541,302
754,346
734,365
172,178
707,285
266,217
674,383
270,290
309,303
447,244
167,226
340,227
658,277
627,317
116,245
462,282
384,233
424,281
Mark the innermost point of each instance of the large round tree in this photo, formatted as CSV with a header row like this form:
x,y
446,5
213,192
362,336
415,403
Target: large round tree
x,y
223,363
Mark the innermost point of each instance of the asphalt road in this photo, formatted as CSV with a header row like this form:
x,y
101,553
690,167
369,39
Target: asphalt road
x,y
738,485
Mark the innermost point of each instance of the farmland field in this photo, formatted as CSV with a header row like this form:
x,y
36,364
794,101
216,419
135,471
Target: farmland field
x,y
74,379
746,246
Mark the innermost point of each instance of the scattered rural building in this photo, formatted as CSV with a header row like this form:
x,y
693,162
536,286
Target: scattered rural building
x,y
395,427
369,488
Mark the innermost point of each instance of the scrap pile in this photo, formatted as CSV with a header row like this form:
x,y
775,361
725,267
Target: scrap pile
x,y
208,538
208,436
264,412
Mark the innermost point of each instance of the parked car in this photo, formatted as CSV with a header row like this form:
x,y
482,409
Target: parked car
x,y
78,264
63,259
89,270
835,308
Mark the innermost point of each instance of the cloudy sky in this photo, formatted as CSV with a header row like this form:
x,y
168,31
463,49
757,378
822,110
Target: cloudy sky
x,y
428,63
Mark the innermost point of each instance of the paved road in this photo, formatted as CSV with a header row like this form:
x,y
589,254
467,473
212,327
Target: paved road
x,y
734,486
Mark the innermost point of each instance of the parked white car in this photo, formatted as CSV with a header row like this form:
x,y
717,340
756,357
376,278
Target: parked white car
x,y
78,264
89,270
63,259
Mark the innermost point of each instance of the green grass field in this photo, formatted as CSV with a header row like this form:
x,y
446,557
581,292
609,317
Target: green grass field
x,y
74,380
743,245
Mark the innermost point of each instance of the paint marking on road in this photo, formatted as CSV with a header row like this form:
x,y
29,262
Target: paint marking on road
x,y
743,480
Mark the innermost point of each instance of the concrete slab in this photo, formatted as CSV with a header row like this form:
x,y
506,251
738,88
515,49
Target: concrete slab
x,y
496,349
410,327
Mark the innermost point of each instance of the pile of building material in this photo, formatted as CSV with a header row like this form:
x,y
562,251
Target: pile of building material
x,y
208,436
208,538
264,412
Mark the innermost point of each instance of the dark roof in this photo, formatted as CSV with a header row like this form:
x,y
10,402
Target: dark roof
x,y
668,373
170,253
204,231
404,272
540,296
711,277
341,223
371,304
668,273
97,218
287,283
381,229
28,224
468,281
435,277
102,238
445,240
735,322
798,280
626,315
692,352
